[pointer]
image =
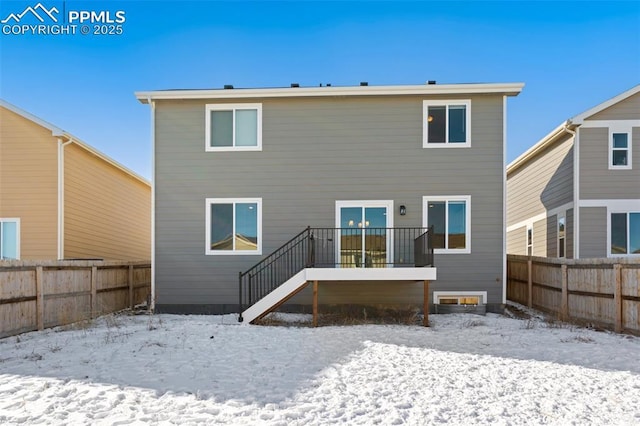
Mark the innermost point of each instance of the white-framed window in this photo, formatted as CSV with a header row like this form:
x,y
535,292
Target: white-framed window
x,y
446,123
9,238
620,148
624,234
460,297
529,238
450,217
233,226
233,127
562,235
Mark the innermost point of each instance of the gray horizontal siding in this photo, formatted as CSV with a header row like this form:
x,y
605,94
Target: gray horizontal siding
x,y
540,238
628,109
593,232
552,236
596,180
542,184
317,151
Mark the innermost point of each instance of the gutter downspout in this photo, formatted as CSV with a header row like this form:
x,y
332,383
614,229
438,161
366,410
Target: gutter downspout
x,y
61,146
576,187
152,106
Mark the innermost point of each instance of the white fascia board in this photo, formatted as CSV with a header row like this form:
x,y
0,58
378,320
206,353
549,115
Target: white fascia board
x,y
508,89
55,131
543,143
579,119
68,137
104,157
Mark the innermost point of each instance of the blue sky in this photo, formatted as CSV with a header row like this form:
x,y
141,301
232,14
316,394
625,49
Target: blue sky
x,y
571,55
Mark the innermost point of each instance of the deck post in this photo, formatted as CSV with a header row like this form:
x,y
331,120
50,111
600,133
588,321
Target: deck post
x,y
425,320
315,303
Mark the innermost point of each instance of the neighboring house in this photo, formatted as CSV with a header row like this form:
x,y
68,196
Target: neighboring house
x,y
240,173
576,193
62,199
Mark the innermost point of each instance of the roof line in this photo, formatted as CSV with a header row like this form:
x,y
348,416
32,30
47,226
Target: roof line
x,y
579,119
551,137
58,132
510,89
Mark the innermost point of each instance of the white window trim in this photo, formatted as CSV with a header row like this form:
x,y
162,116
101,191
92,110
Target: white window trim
x,y
425,133
562,215
234,108
526,240
621,128
425,219
15,220
611,211
482,295
208,203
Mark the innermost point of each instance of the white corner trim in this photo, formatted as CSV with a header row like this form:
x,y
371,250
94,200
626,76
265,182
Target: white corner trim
x,y
60,249
152,108
438,294
576,194
504,200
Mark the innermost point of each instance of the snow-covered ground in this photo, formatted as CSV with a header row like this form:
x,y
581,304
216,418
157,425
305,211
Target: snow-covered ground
x,y
465,369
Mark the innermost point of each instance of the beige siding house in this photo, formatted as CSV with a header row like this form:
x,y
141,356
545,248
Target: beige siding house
x,y
576,193
62,199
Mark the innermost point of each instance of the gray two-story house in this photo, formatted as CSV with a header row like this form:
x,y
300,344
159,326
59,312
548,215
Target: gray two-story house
x,y
576,193
257,192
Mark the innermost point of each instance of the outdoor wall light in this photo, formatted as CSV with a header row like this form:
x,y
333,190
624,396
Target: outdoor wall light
x,y
403,210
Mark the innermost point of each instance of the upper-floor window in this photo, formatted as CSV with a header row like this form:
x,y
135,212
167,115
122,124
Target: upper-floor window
x,y
619,149
9,238
625,233
233,127
234,226
529,240
446,123
451,220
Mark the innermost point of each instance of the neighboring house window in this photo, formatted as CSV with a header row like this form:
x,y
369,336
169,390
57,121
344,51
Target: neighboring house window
x,y
234,226
562,245
529,240
446,124
619,149
233,127
625,233
9,238
451,220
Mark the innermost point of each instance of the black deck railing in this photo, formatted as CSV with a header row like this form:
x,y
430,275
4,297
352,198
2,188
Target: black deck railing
x,y
336,248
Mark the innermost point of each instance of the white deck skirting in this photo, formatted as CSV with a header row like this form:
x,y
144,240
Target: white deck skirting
x,y
334,274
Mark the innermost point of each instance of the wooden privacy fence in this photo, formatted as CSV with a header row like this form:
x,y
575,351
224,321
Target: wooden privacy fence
x,y
39,294
605,292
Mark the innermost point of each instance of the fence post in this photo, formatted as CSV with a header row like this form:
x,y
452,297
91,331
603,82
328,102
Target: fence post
x,y
564,302
94,291
617,297
131,301
425,308
529,283
39,298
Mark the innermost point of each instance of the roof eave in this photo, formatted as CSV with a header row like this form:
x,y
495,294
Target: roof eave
x,y
540,146
507,89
